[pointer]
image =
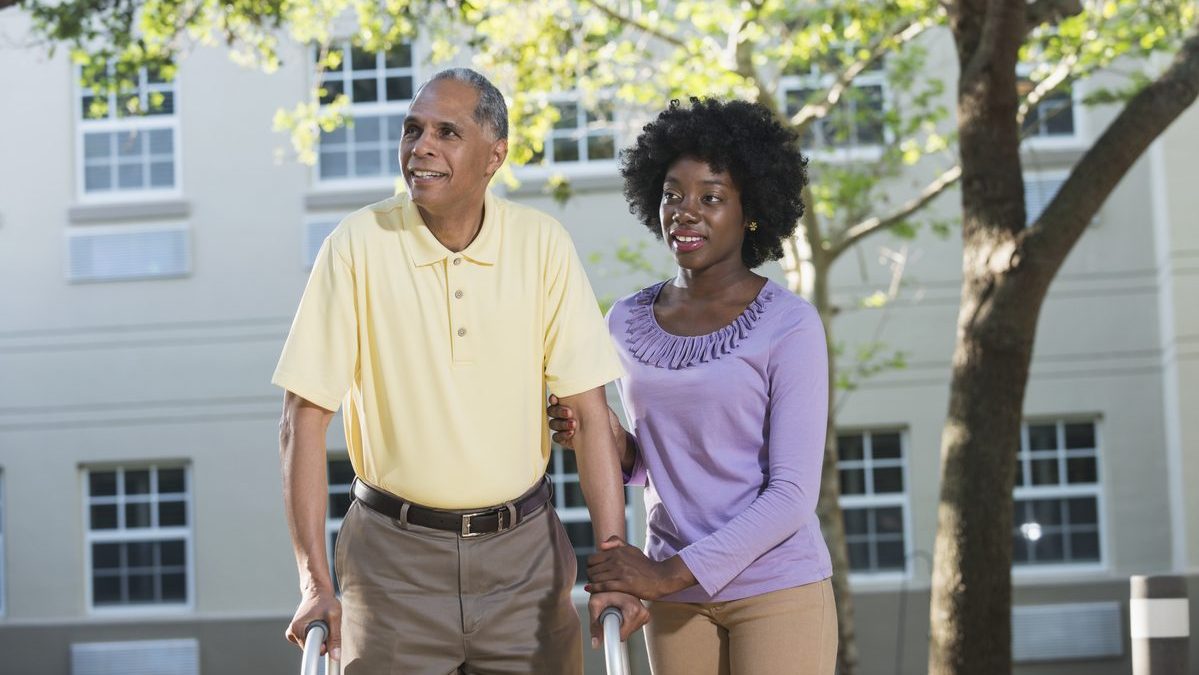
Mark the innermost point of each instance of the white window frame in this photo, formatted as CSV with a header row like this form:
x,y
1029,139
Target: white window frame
x,y
1063,491
577,514
122,535
1035,175
90,230
816,80
881,500
1074,141
354,110
139,123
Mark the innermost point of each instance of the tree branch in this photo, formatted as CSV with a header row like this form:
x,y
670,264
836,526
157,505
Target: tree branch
x,y
1040,12
865,228
1059,75
1143,119
818,110
630,22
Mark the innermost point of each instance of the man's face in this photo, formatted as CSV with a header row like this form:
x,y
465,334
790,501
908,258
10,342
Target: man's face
x,y
447,158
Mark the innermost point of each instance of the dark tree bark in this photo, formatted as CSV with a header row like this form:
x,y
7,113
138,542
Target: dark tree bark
x,y
1007,269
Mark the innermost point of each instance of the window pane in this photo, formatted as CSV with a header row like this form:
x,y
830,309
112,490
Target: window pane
x,y
1084,546
568,116
399,57
335,137
333,89
174,587
869,112
129,176
849,447
360,59
566,150
888,520
366,130
1081,470
1044,472
365,90
889,479
853,482
1080,436
141,588
161,103
367,163
172,514
572,494
399,88
339,505
170,481
162,141
129,144
1047,512
173,552
333,164
1082,511
106,556
859,556
102,483
855,521
104,516
137,515
885,446
569,465
1020,553
601,147
341,472
139,554
1019,473
162,174
890,555
395,130
137,482
1048,548
1042,436
106,590
97,146
97,178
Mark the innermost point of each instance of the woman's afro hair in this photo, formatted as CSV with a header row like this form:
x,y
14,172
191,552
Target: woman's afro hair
x,y
741,138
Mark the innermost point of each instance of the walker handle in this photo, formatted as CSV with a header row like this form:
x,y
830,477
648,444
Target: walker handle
x,y
314,637
616,653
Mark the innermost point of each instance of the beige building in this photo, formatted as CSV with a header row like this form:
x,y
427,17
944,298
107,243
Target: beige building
x,y
151,266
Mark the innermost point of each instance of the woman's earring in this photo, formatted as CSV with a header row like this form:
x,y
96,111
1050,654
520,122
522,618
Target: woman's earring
x,y
753,226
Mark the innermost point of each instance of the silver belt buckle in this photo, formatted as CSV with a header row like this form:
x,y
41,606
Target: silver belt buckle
x,y
465,531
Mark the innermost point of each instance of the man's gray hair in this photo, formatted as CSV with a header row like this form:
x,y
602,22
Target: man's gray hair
x,y
490,111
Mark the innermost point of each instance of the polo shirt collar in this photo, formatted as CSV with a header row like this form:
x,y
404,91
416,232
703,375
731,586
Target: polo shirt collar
x,y
424,249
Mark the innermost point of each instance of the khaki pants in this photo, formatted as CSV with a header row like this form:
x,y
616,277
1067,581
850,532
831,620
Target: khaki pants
x,y
787,632
419,601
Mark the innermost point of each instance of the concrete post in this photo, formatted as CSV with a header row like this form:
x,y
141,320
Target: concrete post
x,y
1159,620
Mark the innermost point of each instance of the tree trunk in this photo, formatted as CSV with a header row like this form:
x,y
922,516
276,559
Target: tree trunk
x,y
832,522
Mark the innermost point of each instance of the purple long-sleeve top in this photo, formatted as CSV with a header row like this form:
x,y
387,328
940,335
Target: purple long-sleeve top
x,y
730,428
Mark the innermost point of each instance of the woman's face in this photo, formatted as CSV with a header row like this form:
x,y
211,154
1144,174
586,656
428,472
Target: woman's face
x,y
701,215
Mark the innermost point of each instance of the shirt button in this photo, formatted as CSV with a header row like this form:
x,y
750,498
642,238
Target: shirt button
x,y
461,332
458,294
457,261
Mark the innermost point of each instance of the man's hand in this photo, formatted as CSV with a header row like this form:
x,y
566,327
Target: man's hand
x,y
635,615
322,605
623,568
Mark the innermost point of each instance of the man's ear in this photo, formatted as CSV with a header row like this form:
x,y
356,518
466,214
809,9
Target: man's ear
x,y
499,152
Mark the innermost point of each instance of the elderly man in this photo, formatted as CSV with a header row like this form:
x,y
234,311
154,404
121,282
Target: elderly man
x,y
437,320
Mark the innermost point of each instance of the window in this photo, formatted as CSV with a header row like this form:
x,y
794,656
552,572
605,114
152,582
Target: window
x,y
128,252
379,88
129,141
1039,189
138,536
572,510
856,121
580,135
315,233
1053,117
873,499
341,476
1057,514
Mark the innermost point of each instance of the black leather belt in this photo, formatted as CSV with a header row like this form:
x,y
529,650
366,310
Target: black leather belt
x,y
467,523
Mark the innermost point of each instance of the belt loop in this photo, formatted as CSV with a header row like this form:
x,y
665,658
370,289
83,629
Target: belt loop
x,y
513,516
404,515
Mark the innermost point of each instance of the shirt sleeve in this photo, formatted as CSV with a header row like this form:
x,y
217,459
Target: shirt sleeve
x,y
798,418
579,355
320,356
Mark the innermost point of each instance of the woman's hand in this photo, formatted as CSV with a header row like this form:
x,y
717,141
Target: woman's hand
x,y
624,568
564,424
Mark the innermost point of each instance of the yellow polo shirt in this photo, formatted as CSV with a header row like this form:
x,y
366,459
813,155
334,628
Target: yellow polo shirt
x,y
440,360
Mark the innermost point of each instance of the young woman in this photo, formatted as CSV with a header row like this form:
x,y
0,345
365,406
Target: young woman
x,y
727,395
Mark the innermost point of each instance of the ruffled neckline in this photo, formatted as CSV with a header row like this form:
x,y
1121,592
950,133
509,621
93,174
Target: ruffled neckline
x,y
650,344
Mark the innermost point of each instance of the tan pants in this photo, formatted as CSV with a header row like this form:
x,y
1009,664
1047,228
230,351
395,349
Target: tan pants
x,y
787,632
419,601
